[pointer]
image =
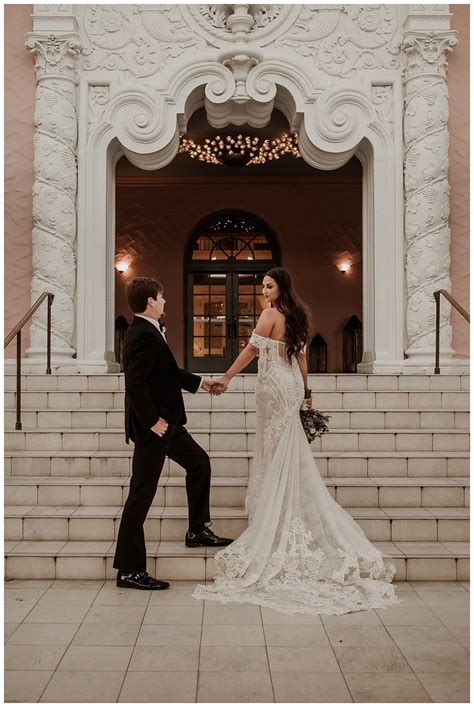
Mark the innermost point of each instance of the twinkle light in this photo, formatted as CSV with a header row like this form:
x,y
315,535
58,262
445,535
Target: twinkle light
x,y
241,149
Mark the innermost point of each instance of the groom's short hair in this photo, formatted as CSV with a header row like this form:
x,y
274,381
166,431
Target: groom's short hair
x,y
139,290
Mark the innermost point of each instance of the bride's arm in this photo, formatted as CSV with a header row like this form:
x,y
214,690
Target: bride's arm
x,y
303,364
264,328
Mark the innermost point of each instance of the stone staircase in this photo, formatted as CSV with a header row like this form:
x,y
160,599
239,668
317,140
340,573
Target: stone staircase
x,y
396,458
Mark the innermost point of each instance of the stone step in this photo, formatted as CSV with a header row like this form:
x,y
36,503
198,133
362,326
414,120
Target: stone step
x,y
230,492
414,561
171,522
234,400
240,439
408,464
92,418
246,381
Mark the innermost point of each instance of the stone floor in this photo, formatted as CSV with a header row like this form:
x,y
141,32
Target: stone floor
x,y
87,641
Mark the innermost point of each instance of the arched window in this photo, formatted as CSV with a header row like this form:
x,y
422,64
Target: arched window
x,y
352,345
318,355
227,255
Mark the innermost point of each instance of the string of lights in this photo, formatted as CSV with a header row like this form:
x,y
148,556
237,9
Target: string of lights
x,y
240,150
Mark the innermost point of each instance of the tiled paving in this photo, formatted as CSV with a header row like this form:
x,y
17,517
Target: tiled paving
x,y
87,641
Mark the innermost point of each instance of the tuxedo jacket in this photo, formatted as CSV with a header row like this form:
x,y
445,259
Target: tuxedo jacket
x,y
153,381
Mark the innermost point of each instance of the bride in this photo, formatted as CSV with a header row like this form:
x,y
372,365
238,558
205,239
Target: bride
x,y
302,552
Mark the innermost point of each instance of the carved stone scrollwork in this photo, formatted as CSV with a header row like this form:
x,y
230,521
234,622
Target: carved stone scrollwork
x,y
427,233
341,39
54,189
99,97
221,24
138,40
382,99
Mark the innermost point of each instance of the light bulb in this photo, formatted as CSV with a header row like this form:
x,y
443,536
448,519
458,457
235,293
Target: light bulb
x,y
344,267
122,266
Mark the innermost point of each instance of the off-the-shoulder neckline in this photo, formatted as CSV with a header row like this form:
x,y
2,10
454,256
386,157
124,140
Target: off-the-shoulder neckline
x,y
269,338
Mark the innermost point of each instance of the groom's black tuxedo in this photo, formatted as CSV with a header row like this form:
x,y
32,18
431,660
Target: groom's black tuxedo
x,y
153,383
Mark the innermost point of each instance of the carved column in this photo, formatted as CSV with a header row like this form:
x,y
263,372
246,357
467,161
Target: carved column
x,y
54,190
427,231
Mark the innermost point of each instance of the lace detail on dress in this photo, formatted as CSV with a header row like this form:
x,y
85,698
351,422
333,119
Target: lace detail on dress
x,y
300,562
302,552
297,581
257,341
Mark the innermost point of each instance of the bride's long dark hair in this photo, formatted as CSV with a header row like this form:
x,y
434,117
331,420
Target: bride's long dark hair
x,y
295,311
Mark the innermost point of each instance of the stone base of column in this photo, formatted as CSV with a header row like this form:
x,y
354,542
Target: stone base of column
x,y
375,363
424,362
380,367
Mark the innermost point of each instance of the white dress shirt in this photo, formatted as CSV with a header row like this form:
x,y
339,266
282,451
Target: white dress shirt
x,y
157,325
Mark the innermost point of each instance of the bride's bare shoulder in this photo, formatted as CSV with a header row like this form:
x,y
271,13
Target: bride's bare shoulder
x,y
266,322
268,314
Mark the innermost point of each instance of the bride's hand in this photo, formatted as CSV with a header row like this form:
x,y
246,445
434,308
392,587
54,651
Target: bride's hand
x,y
219,385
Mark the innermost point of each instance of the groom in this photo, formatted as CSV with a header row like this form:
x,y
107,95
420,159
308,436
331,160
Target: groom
x,y
154,419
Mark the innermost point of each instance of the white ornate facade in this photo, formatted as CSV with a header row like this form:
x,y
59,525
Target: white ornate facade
x,y
364,80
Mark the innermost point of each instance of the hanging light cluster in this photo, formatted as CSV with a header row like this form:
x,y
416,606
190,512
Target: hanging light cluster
x,y
240,150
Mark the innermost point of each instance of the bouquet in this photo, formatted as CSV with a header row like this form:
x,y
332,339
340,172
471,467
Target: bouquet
x,y
314,421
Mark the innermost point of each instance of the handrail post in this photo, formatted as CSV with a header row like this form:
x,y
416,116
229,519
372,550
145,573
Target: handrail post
x,y
48,358
16,332
18,381
437,299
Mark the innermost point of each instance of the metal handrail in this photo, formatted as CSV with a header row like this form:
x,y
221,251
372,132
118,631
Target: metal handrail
x,y
17,332
437,295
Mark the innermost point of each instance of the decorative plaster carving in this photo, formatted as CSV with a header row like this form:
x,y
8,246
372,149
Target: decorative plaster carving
x,y
340,39
54,189
150,66
221,24
382,99
99,97
427,232
136,39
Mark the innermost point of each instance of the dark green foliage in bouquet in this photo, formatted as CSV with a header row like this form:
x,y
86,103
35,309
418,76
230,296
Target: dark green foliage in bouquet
x,y
314,423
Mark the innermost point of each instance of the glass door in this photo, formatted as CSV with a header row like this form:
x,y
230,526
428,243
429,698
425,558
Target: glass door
x,y
224,308
226,258
209,306
248,304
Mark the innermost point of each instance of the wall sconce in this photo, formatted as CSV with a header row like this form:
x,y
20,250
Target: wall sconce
x,y
344,266
122,266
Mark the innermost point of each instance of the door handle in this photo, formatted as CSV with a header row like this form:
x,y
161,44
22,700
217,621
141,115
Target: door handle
x,y
229,329
236,327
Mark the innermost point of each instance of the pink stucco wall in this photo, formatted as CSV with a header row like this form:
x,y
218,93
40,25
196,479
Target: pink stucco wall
x,y
458,85
20,86
19,111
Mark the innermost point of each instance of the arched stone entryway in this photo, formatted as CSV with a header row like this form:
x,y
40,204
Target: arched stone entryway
x,y
240,66
128,132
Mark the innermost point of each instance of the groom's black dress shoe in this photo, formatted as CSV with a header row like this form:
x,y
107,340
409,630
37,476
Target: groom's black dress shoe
x,y
139,580
205,537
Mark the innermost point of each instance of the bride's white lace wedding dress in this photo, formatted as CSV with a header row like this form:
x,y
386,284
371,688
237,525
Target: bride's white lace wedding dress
x,y
301,552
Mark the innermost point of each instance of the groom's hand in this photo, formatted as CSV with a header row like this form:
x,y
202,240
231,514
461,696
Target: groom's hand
x,y
160,427
206,384
212,386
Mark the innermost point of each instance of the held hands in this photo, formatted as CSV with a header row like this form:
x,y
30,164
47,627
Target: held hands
x,y
215,386
160,427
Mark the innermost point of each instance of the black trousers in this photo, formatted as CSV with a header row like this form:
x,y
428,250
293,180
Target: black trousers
x,y
148,460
